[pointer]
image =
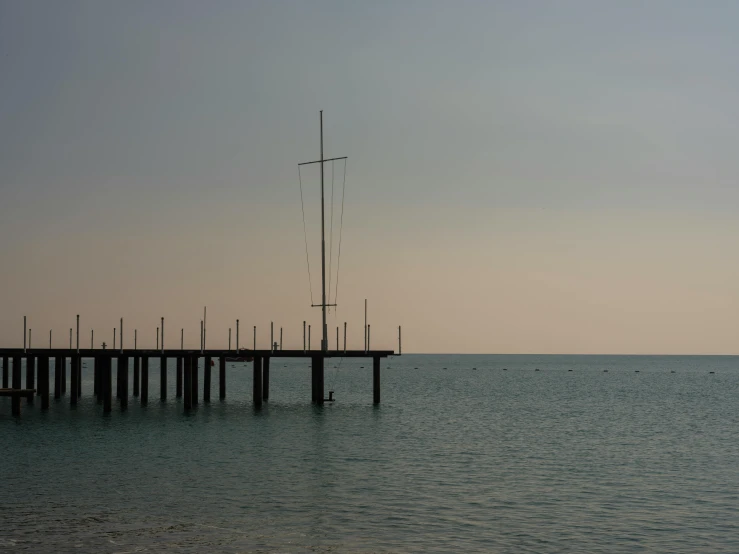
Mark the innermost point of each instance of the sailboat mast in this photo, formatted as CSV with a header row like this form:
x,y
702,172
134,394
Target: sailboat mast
x,y
324,341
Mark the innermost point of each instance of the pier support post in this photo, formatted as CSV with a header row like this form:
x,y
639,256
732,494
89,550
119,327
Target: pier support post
x,y
73,376
222,377
376,380
206,379
144,380
5,372
257,382
17,372
99,375
79,376
30,375
136,373
43,381
265,379
163,377
106,364
15,405
178,391
123,368
57,377
194,378
188,382
96,378
64,375
317,379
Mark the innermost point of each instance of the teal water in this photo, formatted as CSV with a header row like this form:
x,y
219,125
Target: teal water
x,y
455,459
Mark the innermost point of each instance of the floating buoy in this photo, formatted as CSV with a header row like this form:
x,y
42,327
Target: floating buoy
x,y
537,369
474,369
569,370
505,369
605,371
672,372
637,371
711,372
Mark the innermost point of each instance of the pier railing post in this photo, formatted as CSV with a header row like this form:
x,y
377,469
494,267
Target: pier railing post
x,y
222,378
257,382
376,380
5,372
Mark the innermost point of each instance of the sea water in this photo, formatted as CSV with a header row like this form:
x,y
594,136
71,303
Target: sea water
x,y
466,453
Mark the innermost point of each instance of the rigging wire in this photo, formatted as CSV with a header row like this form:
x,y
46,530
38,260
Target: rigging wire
x,y
305,235
341,228
331,236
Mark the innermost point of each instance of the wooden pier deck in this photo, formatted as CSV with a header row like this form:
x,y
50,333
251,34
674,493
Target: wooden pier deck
x,y
187,373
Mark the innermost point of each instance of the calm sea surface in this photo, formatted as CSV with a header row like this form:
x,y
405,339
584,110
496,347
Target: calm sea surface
x,y
461,456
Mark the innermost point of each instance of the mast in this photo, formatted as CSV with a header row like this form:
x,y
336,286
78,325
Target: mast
x,y
324,340
323,304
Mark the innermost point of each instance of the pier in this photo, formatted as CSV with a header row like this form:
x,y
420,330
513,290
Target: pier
x,y
189,383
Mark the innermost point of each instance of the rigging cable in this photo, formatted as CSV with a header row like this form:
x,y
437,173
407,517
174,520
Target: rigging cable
x,y
305,236
341,228
331,237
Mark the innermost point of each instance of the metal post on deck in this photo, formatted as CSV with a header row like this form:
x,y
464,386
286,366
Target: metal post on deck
x,y
308,337
255,337
337,338
400,346
162,335
237,336
182,339
121,335
78,333
229,339
280,338
303,335
157,338
271,336
345,337
368,338
202,337
24,334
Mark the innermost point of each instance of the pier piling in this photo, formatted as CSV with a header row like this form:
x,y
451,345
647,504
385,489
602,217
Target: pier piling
x,y
123,369
187,377
222,377
73,377
5,372
163,375
64,375
136,375
257,382
194,377
30,375
16,372
107,383
178,391
206,379
265,379
43,381
144,380
375,379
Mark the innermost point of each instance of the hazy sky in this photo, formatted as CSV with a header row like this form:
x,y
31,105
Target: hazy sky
x,y
556,177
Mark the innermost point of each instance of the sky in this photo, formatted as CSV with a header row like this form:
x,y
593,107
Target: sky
x,y
522,176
